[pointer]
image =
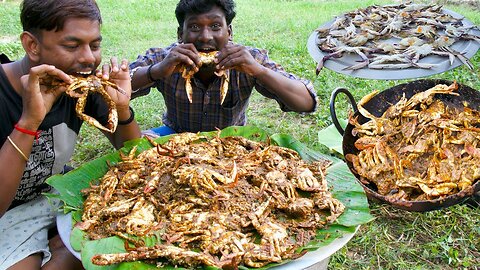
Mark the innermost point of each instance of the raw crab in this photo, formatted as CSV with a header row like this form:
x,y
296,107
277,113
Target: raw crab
x,y
423,30
81,88
206,59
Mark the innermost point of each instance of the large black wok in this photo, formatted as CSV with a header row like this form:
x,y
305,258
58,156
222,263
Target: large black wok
x,y
377,106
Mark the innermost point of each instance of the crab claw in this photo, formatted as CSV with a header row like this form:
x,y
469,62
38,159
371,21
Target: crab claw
x,y
189,90
112,116
319,67
224,85
187,75
363,63
325,58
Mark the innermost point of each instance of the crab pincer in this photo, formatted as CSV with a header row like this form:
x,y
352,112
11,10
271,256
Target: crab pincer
x,y
206,59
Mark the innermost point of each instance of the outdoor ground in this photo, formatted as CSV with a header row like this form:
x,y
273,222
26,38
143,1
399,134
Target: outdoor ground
x,y
396,239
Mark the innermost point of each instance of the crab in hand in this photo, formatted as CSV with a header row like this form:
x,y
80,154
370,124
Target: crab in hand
x,y
80,89
206,58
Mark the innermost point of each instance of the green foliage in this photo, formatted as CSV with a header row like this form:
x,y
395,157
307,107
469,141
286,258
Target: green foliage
x,y
396,239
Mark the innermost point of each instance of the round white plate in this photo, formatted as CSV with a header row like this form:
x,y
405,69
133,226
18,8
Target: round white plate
x,y
467,47
64,227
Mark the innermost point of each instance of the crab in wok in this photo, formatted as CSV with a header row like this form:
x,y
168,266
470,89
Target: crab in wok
x,y
80,89
206,58
421,148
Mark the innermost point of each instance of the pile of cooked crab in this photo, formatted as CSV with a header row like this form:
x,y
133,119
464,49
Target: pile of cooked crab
x,y
420,148
395,36
210,201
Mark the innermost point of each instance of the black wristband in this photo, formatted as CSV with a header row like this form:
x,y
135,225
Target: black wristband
x,y
149,73
129,120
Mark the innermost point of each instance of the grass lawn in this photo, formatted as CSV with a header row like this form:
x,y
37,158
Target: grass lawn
x,y
396,239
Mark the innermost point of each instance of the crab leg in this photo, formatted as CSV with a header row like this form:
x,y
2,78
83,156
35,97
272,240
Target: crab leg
x,y
112,117
187,75
225,74
365,61
459,55
159,251
116,87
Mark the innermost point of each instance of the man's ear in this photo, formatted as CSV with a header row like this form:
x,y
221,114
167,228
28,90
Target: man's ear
x,y
31,45
179,34
230,33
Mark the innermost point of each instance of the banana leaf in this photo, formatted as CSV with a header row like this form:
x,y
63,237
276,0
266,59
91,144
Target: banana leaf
x,y
331,138
341,182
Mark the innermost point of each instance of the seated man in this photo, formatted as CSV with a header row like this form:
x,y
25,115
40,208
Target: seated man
x,y
205,27
39,124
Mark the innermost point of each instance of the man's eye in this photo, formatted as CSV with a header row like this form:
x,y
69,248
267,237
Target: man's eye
x,y
216,26
70,47
95,47
194,27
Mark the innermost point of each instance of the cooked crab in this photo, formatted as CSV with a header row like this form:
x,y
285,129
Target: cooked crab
x,y
209,201
420,148
207,59
81,88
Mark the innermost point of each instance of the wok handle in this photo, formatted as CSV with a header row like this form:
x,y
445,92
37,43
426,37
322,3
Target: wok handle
x,y
333,113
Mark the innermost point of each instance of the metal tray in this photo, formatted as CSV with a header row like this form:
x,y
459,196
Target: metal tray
x,y
466,47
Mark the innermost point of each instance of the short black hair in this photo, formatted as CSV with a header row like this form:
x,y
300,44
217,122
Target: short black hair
x,y
51,15
185,7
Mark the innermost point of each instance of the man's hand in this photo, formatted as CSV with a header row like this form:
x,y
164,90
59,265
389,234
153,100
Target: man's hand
x,y
234,56
119,74
292,93
183,55
38,99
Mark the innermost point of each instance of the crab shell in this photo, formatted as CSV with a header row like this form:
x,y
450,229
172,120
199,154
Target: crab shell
x,y
206,59
80,89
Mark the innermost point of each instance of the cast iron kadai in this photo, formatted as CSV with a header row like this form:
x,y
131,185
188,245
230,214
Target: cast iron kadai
x,y
377,106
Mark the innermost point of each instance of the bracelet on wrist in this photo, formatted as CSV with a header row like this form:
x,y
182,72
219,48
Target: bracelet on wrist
x,y
130,119
17,148
35,133
149,74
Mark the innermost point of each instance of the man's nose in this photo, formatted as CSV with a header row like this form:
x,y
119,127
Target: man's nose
x,y
205,35
86,55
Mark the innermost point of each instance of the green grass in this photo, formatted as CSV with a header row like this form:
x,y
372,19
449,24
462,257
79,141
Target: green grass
x,y
444,239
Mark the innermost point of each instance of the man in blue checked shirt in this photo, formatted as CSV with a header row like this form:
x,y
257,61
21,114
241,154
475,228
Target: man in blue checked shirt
x,y
205,26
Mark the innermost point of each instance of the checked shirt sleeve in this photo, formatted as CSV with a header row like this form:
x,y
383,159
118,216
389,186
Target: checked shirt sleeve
x,y
261,56
151,56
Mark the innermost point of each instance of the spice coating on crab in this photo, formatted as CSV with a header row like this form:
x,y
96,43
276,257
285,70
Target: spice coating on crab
x,y
81,88
207,59
220,202
420,148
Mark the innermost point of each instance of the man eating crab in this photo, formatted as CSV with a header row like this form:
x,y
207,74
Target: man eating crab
x,y
44,99
206,79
